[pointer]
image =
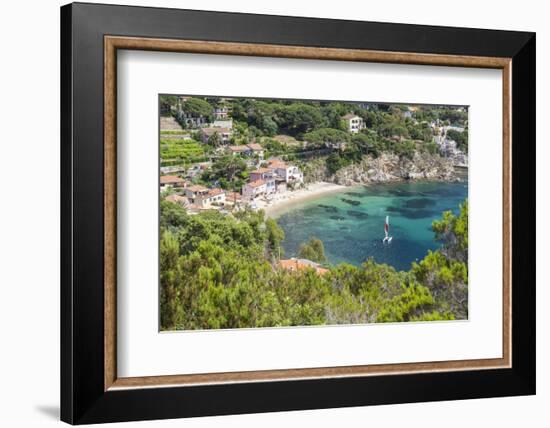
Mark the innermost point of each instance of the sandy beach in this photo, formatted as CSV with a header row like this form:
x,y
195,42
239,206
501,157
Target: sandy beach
x,y
281,202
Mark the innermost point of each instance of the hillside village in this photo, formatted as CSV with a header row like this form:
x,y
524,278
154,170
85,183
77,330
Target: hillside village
x,y
228,154
228,164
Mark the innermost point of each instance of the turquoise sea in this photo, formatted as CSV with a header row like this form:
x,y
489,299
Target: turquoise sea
x,y
351,223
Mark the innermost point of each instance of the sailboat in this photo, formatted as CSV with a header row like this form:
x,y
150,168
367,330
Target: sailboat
x,y
387,238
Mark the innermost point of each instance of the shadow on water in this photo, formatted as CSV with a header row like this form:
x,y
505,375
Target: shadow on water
x,y
357,214
418,203
357,194
328,208
350,201
410,213
337,217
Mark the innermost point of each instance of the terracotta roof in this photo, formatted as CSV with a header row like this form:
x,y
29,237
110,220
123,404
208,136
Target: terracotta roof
x,y
197,188
210,131
277,163
261,171
171,179
301,264
177,199
349,116
239,148
255,147
256,183
215,192
233,196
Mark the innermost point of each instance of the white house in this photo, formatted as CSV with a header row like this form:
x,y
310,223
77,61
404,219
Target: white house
x,y
247,150
223,133
257,188
256,150
262,174
191,120
223,123
196,192
167,181
221,112
203,197
353,122
290,174
214,196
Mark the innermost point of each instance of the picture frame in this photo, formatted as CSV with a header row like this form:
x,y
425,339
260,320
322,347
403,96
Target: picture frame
x,y
91,391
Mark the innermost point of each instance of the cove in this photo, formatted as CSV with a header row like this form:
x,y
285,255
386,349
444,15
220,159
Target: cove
x,y
351,223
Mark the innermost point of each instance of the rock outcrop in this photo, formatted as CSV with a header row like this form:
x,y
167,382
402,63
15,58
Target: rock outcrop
x,y
389,167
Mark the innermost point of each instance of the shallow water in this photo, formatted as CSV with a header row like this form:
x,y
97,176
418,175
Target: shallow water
x,y
351,223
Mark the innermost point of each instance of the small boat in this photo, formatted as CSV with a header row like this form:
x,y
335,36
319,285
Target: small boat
x,y
387,238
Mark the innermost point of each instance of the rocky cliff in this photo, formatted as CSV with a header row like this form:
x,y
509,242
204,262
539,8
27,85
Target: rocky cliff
x,y
386,168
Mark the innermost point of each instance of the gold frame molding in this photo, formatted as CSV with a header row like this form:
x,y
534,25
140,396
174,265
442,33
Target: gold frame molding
x,y
113,43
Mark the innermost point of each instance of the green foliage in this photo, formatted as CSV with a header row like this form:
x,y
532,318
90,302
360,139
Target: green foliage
x,y
299,118
394,129
404,306
461,138
452,230
215,140
181,151
221,272
228,171
198,107
360,145
167,102
431,148
275,235
313,250
325,136
419,131
448,114
406,149
445,272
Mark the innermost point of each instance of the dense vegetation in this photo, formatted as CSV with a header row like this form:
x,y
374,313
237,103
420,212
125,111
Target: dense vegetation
x,y
221,271
461,138
317,128
181,151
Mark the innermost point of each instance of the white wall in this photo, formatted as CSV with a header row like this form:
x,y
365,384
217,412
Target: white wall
x,y
29,229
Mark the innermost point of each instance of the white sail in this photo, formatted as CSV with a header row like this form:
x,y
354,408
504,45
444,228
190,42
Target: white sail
x,y
387,238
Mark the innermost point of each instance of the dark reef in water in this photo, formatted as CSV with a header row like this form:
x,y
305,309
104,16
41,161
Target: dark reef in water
x,y
356,195
418,203
410,212
351,201
328,208
402,193
357,214
337,217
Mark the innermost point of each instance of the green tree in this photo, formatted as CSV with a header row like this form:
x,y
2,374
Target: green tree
x,y
461,138
452,231
275,235
167,103
445,272
228,171
299,118
215,140
171,309
313,250
198,107
325,136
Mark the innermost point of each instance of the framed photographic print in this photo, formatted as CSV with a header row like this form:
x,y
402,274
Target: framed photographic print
x,y
265,213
